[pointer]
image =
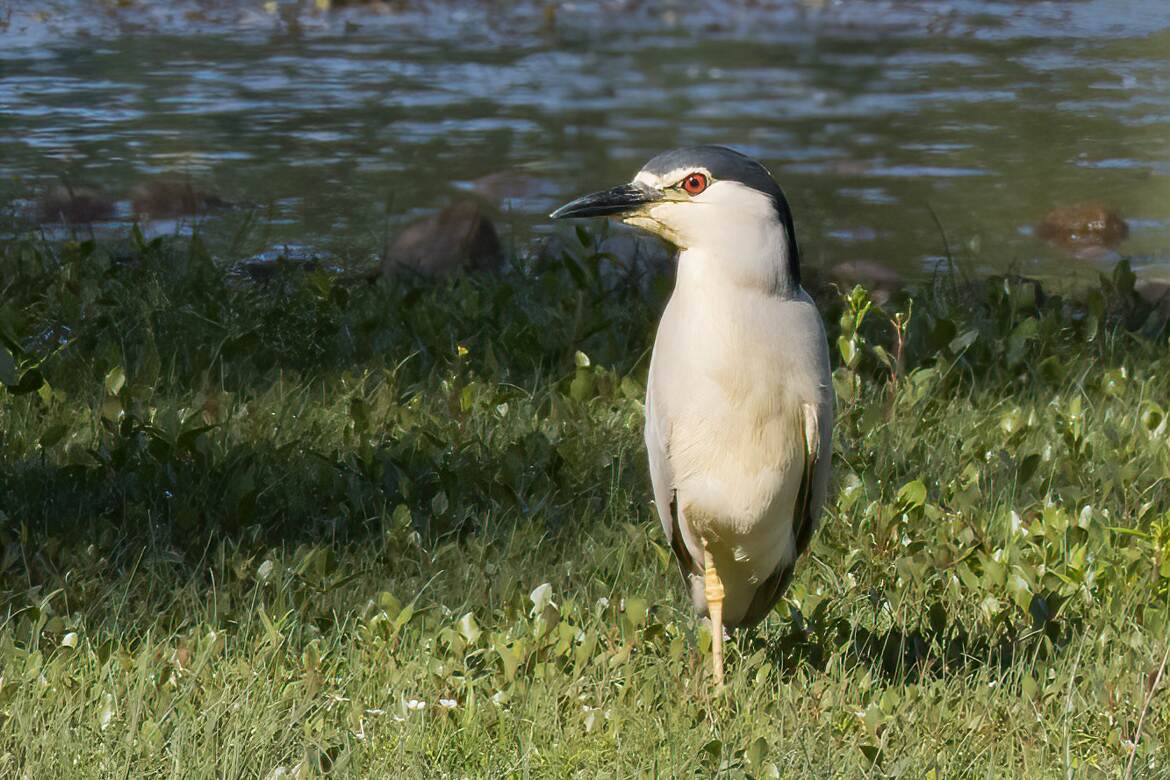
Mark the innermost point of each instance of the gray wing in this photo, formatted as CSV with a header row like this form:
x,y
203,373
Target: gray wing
x,y
662,480
816,424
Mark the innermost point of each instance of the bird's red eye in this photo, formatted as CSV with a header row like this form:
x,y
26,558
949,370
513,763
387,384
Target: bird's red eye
x,y
695,183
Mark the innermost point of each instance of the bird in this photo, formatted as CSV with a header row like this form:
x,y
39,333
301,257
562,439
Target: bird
x,y
739,399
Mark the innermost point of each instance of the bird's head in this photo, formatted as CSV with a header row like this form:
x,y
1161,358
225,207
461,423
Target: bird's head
x,y
709,198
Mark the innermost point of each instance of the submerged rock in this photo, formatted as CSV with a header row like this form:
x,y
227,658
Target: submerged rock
x,y
1080,225
624,257
287,257
73,205
880,280
169,198
513,188
460,237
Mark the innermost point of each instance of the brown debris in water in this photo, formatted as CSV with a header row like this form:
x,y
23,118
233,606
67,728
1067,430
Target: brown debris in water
x,y
882,281
460,237
1086,224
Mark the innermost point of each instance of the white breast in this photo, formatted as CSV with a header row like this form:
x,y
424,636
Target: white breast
x,y
732,366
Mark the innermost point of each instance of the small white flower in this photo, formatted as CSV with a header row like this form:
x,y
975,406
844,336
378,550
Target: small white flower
x,y
541,597
603,603
416,704
448,703
374,712
107,714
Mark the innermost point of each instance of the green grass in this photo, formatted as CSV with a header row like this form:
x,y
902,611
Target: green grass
x,y
246,529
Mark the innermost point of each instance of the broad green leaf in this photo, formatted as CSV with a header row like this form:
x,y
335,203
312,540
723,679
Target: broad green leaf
x,y
912,494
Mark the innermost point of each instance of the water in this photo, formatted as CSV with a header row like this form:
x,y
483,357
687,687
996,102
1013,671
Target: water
x,y
876,117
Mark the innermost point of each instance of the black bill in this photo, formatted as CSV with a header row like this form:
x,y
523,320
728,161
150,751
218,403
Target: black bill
x,y
618,200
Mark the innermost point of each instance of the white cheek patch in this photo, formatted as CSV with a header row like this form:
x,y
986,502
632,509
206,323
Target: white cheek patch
x,y
657,220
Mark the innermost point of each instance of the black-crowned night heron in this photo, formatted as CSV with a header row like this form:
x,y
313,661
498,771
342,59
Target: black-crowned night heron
x,y
739,403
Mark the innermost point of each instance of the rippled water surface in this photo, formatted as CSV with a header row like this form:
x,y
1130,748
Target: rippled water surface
x,y
875,117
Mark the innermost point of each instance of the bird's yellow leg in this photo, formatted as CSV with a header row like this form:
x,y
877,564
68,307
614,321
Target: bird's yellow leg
x,y
713,587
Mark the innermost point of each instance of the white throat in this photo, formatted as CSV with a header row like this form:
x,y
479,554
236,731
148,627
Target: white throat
x,y
751,254
728,236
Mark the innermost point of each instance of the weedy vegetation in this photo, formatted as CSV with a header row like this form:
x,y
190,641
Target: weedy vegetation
x,y
314,526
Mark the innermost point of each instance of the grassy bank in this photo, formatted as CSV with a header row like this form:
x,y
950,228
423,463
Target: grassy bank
x,y
310,525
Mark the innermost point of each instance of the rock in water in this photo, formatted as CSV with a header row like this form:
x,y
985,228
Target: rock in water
x,y
1083,225
457,238
166,199
73,205
631,258
271,263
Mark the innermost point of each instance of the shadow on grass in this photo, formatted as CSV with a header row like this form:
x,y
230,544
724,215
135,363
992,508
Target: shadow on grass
x,y
938,646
